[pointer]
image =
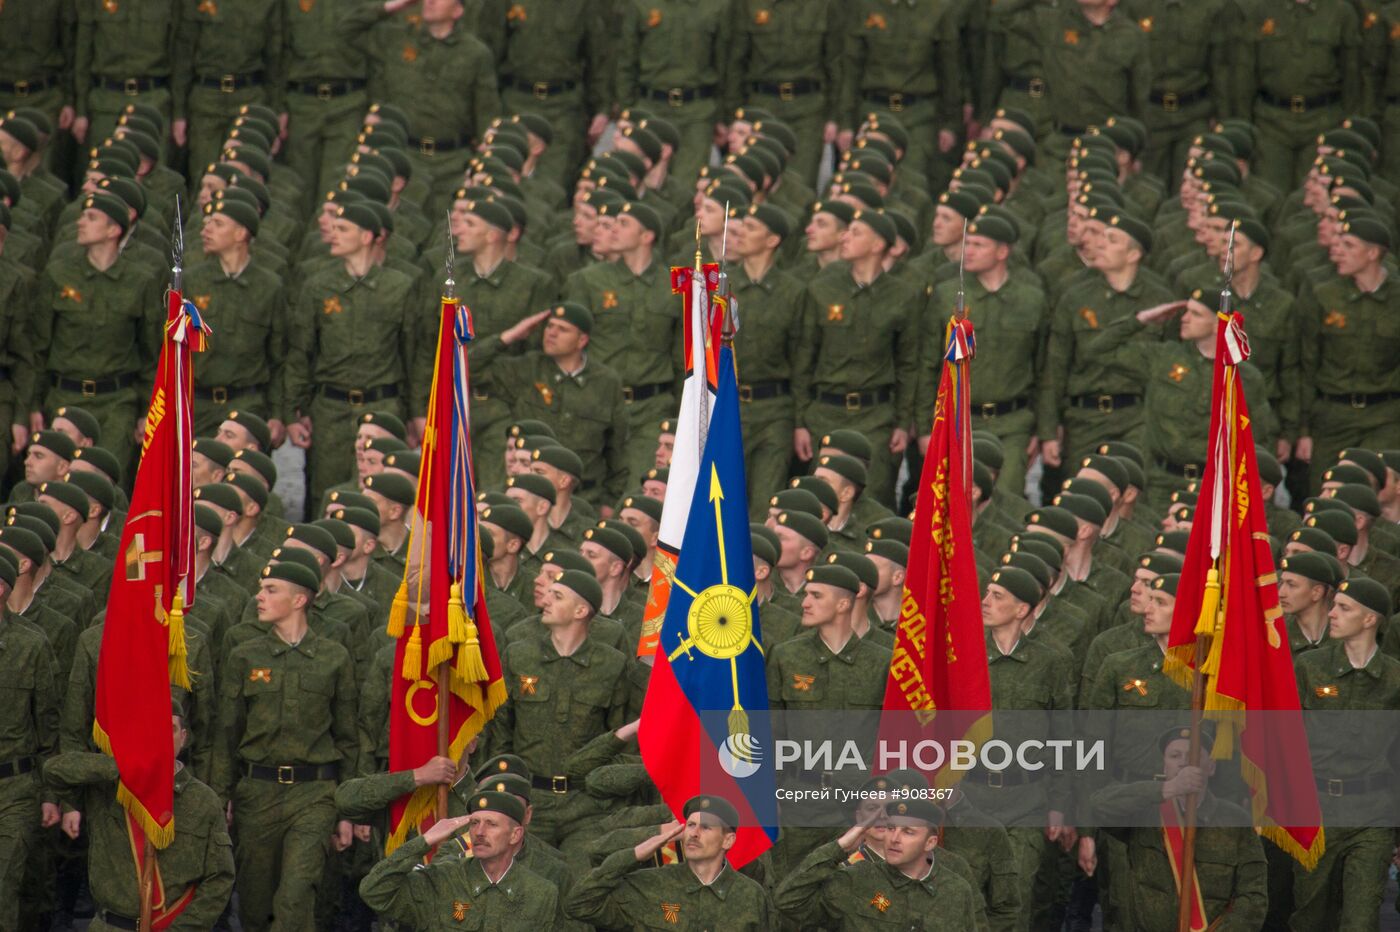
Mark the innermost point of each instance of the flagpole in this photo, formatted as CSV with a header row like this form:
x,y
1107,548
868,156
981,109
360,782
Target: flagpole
x,y
442,675
1211,605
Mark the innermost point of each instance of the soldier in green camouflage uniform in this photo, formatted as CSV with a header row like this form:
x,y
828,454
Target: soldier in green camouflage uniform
x,y
126,53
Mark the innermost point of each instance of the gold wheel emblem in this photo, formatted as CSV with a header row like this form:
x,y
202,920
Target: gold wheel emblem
x,y
720,622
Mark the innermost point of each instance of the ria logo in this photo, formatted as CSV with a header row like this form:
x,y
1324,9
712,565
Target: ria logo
x,y
740,755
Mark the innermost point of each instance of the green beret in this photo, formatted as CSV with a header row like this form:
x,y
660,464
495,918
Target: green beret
x,y
994,228
507,804
847,467
510,783
645,215
1360,497
560,457
382,214
891,550
762,549
529,427
298,574
893,527
645,504
717,806
657,474
635,540
1368,229
576,314
1167,583
850,442
396,488
1160,563
1183,733
872,164
390,113
1041,571
805,526
490,211
982,478
1347,472
47,520
664,130
131,193
384,445
1315,538
56,442
82,419
347,498
1369,460
857,563
916,809
838,209
22,131
339,531
97,486
1082,507
1135,228
1092,489
989,452
207,520
833,574
360,215
1018,582
797,500
534,484
583,584
262,464
1311,565
68,494
501,765
386,420
1338,526
1110,467
1043,545
1270,471
221,495
365,519
315,537
24,542
249,486
1060,520
254,425
962,202
1368,593
976,176
240,213
567,560
777,220
612,541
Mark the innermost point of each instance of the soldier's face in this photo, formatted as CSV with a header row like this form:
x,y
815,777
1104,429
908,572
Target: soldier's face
x,y
908,843
823,604
70,430
95,227
12,151
517,461
739,133
348,238
1160,605
823,233
1115,250
208,186
219,233
792,546
562,606
1350,255
368,462
585,223
43,465
178,734
605,562
381,505
493,833
203,470
1092,239
277,599
1297,593
982,254
1197,322
706,837
711,216
641,523
665,448
1001,608
530,503
1138,592
441,11
654,488
1348,618
562,338
860,242
627,233
235,436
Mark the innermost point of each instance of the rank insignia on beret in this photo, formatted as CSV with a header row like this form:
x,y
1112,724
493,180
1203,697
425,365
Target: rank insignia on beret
x,y
1178,372
306,5
1138,686
1090,318
1145,24
609,300
546,393
1326,692
876,21
1071,37
1371,19
410,53
459,910
762,18
527,684
201,301
653,18
1395,32
69,293
331,305
880,902
260,675
208,6
671,912
803,682
110,6
836,312
1267,28
516,14
1335,318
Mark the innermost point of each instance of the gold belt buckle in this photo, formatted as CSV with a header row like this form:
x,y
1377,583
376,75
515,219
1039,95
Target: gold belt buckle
x,y
427,146
323,91
1105,403
627,394
89,387
746,393
676,96
1036,88
228,83
1298,104
1358,401
131,87
219,394
559,784
853,401
1190,471
286,774
1171,102
355,396
896,102
1334,788
989,410
21,88
786,90
541,90
995,779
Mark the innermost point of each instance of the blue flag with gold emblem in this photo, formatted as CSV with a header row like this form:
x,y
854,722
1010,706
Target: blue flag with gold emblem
x,y
705,723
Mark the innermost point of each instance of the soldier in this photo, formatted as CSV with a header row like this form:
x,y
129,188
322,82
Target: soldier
x,y
1307,583
48,459
418,59
861,343
287,736
510,529
1230,868
1096,66
243,301
352,342
124,55
702,891
97,327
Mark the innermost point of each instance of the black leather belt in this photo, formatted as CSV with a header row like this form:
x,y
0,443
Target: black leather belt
x,y
1355,785
287,774
1105,404
787,90
557,784
1297,103
360,396
679,96
543,90
1358,400
854,401
631,393
758,391
894,101
228,83
118,921
222,393
1001,779
431,145
131,86
325,90
997,408
91,387
1072,130
1184,470
13,768
1033,86
1172,101
25,88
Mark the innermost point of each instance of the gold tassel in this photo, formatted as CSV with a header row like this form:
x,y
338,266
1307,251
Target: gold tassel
x,y
413,655
457,620
738,722
179,657
1210,603
398,612
470,666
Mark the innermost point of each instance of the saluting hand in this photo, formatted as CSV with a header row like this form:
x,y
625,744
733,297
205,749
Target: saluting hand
x,y
629,731
1161,313
851,838
669,832
444,829
521,330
